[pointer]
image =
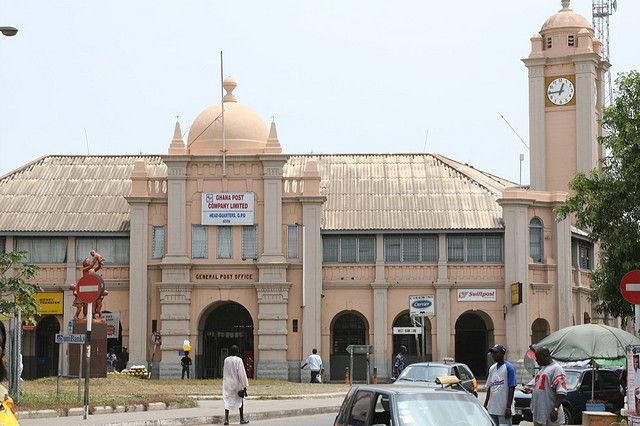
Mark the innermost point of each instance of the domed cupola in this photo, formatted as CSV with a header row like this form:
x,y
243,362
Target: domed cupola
x,y
245,132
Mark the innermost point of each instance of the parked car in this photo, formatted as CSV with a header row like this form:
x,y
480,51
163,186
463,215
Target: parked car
x,y
410,405
427,372
606,388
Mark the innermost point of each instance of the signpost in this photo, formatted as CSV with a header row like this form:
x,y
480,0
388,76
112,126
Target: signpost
x,y
88,289
630,289
419,308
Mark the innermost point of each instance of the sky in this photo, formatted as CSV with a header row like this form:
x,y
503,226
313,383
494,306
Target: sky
x,y
340,76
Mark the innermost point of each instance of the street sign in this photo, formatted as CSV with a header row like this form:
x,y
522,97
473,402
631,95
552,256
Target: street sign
x,y
407,330
78,339
88,288
630,287
421,305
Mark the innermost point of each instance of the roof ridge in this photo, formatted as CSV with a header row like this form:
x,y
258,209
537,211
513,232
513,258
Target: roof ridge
x,y
495,178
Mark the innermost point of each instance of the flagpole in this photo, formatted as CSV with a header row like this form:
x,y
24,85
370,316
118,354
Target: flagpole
x,y
224,142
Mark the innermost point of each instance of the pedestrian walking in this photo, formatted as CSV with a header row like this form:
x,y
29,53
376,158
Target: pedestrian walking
x,y
549,389
234,385
111,361
400,361
186,364
501,384
123,359
315,365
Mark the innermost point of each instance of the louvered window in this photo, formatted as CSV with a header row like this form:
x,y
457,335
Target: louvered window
x,y
199,242
413,248
250,242
479,248
158,242
224,243
292,241
585,255
571,41
536,242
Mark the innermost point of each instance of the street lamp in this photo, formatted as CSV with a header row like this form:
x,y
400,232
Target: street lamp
x,y
9,31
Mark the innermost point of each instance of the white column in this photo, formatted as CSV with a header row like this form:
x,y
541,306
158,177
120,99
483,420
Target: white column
x,y
537,90
516,269
138,295
563,253
176,212
443,303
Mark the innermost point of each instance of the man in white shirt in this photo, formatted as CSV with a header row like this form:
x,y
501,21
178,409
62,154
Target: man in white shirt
x,y
501,384
315,365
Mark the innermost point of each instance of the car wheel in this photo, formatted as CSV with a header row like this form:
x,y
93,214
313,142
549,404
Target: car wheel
x,y
516,419
568,418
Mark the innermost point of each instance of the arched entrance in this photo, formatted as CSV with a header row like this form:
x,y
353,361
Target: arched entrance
x,y
225,325
539,330
474,336
47,352
412,342
348,328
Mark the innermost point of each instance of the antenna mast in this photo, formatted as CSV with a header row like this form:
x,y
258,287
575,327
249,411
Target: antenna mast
x,y
602,9
224,142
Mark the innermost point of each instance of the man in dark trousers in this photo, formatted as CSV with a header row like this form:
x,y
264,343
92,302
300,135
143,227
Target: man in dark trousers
x,y
186,364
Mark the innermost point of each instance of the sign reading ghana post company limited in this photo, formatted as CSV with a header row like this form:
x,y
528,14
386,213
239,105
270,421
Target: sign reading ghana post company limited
x,y
228,208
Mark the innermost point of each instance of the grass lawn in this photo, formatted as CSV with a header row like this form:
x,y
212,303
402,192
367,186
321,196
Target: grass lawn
x,y
123,390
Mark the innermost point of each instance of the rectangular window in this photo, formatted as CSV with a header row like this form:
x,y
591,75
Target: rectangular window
x,y
585,251
199,242
392,248
474,250
114,250
158,242
571,41
366,249
292,241
410,249
549,43
349,248
330,248
224,243
250,242
479,248
535,244
294,325
430,248
3,243
455,248
43,250
494,249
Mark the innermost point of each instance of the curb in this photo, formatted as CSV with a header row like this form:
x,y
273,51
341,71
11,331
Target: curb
x,y
198,420
273,397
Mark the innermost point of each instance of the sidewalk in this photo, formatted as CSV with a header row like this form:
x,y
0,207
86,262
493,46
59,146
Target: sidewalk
x,y
208,412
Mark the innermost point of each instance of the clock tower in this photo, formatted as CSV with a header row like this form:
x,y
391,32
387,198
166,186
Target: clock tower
x,y
565,99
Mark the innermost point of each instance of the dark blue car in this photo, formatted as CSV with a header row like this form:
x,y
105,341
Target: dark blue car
x,y
606,388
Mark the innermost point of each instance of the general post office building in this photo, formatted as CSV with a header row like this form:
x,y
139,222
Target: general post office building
x,y
228,240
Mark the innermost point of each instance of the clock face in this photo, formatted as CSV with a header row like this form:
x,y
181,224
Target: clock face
x,y
560,91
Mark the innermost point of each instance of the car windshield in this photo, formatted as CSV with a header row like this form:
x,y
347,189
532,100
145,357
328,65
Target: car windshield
x,y
573,379
423,373
445,409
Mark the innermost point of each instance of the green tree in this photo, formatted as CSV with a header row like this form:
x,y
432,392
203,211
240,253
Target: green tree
x,y
15,290
607,200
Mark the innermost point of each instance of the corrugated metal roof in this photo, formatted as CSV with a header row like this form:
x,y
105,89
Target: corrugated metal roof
x,y
71,194
364,192
403,192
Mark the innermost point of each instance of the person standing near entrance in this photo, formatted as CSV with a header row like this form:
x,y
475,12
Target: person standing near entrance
x,y
549,389
501,384
186,364
315,365
400,361
234,384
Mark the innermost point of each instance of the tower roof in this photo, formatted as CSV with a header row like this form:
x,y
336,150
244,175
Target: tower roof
x,y
566,18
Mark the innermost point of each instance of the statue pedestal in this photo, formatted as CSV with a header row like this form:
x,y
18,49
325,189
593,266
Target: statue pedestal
x,y
98,349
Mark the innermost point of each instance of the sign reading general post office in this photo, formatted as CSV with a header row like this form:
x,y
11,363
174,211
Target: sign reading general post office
x,y
422,306
228,208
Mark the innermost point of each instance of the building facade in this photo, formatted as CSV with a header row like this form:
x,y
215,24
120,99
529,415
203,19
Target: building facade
x,y
227,240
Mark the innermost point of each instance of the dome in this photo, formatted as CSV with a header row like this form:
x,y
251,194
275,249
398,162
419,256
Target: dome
x,y
566,18
245,132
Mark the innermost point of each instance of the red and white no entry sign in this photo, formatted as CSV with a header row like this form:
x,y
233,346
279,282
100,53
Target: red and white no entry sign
x,y
88,288
630,287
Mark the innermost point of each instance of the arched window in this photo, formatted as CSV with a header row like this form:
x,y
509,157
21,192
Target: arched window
x,y
539,330
536,240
